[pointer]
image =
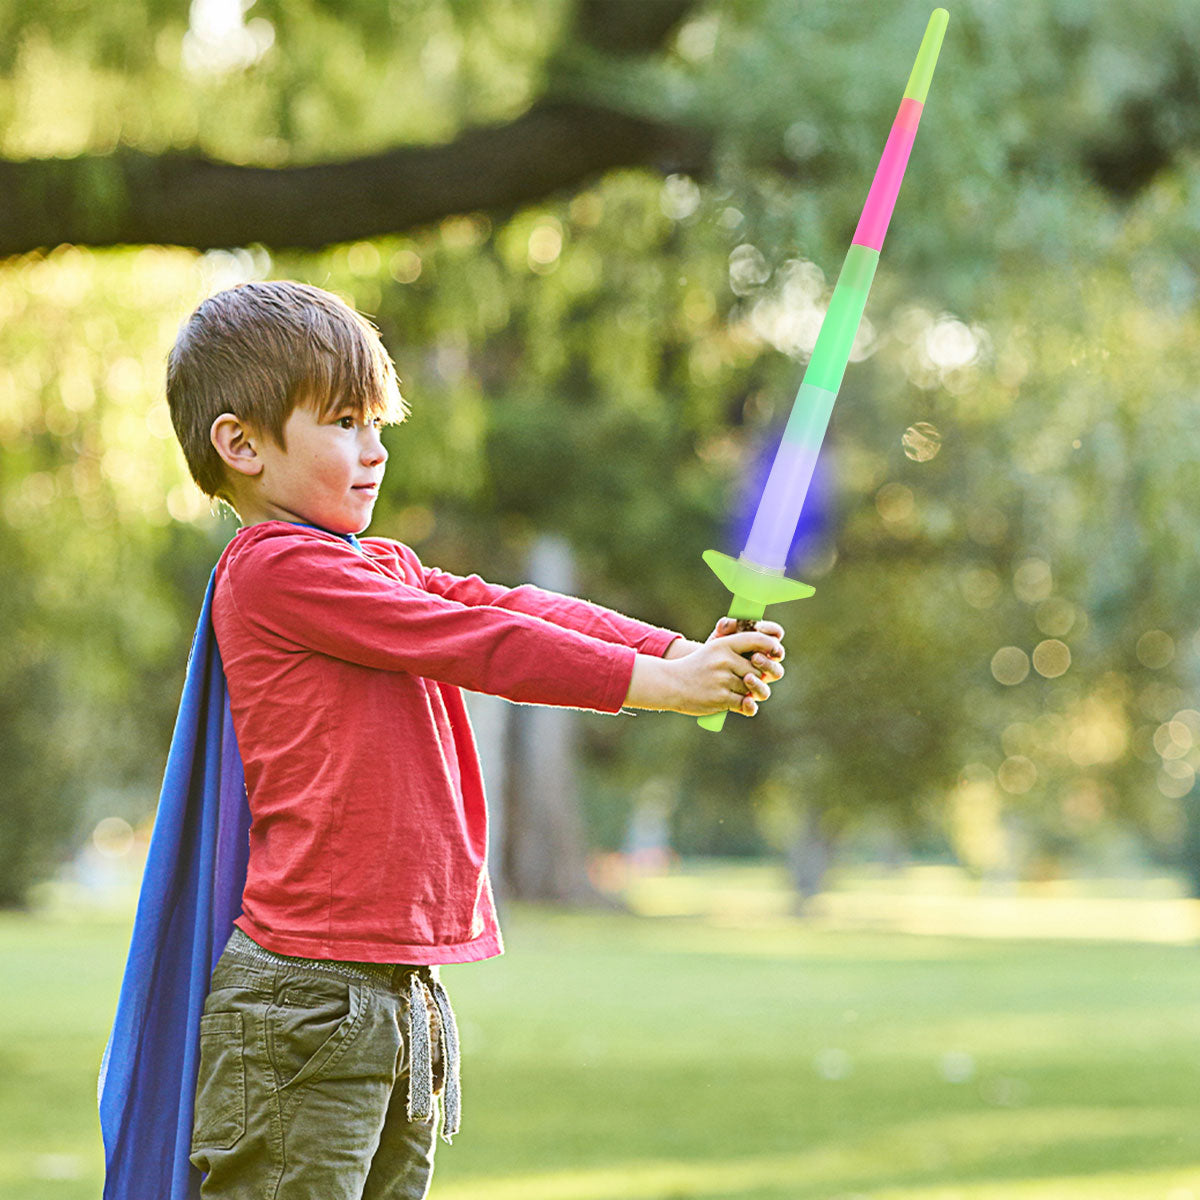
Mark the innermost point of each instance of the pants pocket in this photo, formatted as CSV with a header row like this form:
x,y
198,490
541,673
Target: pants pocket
x,y
221,1082
308,1026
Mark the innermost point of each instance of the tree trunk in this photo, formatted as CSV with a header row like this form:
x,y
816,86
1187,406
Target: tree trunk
x,y
1188,858
544,857
1189,850
490,716
808,858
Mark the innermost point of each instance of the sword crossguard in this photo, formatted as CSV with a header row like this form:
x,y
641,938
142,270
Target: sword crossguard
x,y
753,588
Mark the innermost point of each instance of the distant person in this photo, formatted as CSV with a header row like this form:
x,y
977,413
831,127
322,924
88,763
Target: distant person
x,y
326,1033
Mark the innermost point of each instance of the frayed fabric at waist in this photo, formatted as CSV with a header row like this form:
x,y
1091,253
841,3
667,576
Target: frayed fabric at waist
x,y
391,975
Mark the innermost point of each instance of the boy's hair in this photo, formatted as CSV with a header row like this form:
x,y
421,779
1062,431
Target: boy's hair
x,y
260,349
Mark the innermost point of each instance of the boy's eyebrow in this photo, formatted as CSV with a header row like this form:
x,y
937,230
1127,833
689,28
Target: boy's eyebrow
x,y
350,410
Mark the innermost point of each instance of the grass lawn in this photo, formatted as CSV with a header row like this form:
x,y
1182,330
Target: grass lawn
x,y
733,1054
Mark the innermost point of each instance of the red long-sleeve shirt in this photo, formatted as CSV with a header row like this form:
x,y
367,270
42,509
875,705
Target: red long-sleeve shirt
x,y
368,839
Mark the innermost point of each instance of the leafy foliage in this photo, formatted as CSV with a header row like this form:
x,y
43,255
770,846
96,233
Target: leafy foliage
x,y
616,365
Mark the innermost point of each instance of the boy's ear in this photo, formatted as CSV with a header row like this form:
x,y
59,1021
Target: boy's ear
x,y
236,444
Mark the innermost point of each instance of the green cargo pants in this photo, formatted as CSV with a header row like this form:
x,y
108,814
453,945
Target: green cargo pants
x,y
307,1088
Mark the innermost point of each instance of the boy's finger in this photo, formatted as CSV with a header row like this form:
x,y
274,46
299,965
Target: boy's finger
x,y
769,667
748,643
723,628
726,626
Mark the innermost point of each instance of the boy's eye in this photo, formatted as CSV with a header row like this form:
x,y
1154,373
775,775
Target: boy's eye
x,y
346,422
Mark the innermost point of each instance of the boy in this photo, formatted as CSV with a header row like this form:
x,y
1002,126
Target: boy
x,y
326,1031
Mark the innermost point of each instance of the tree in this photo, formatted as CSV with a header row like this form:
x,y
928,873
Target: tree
x,y
648,323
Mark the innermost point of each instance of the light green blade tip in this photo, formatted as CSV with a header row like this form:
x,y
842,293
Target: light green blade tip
x,y
927,56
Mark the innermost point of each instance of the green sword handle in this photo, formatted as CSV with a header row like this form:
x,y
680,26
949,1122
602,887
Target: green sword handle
x,y
753,589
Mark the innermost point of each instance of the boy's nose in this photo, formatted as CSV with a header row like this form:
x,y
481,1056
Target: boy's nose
x,y
374,452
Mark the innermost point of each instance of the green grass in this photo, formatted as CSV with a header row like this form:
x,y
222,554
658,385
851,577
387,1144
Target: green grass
x,y
613,1057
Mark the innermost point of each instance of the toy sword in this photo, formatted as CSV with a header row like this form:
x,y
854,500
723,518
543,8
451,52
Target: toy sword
x,y
756,577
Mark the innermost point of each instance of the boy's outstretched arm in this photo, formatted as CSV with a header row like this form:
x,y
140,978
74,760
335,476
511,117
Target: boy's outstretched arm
x,y
568,612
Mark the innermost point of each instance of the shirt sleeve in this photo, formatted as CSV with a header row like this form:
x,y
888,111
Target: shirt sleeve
x,y
568,612
318,594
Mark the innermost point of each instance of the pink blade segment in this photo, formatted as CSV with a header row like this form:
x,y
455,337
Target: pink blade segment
x,y
885,187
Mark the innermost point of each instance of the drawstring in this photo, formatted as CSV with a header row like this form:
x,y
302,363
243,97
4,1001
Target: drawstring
x,y
423,983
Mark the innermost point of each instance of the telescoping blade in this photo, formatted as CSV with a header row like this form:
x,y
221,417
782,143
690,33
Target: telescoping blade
x,y
759,579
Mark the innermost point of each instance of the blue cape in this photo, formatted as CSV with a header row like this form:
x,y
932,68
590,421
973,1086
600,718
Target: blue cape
x,y
191,893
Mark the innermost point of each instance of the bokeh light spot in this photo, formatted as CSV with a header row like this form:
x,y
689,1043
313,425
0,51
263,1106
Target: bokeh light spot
x,y
1173,739
1176,778
363,259
1010,665
1055,617
1032,580
748,269
980,586
956,1066
1155,649
405,266
1051,658
679,198
895,502
113,837
832,1064
1017,774
921,441
949,343
545,245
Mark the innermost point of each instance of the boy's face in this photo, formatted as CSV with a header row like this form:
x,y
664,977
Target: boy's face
x,y
328,476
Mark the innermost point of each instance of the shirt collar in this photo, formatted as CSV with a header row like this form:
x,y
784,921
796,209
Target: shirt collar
x,y
346,537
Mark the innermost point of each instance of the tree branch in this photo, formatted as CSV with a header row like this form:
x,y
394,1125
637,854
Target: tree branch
x,y
628,26
189,200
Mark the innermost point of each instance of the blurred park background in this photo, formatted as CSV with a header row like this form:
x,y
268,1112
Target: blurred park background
x,y
925,927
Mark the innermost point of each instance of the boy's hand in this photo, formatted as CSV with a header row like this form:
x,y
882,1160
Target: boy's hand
x,y
769,666
728,673
725,674
727,625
